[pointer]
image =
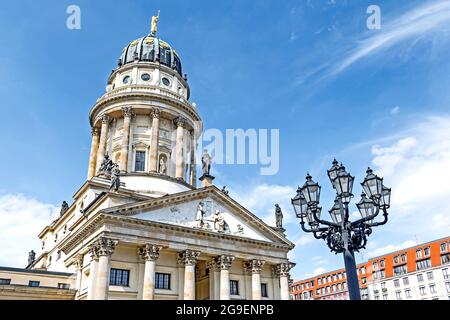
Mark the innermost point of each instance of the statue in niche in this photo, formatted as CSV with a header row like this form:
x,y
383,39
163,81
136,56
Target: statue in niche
x,y
162,166
206,163
278,216
199,217
64,208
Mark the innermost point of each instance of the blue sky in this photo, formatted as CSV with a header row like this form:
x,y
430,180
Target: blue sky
x,y
309,68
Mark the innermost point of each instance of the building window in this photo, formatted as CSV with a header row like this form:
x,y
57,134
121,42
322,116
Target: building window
x,y
34,283
406,281
445,259
432,288
264,293
385,296
383,285
419,253
64,286
403,257
422,291
430,275
423,264
234,287
382,263
162,281
119,277
5,282
319,281
126,80
420,277
396,259
443,246
375,265
296,297
166,82
397,283
140,161
426,251
398,295
58,255
408,293
445,274
398,270
447,286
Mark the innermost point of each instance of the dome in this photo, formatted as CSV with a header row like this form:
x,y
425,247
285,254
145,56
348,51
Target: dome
x,y
151,49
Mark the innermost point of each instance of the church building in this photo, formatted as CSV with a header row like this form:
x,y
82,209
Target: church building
x,y
140,227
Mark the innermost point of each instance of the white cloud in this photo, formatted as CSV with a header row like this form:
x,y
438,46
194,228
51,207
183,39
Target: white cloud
x,y
21,220
417,169
316,272
395,110
261,200
391,248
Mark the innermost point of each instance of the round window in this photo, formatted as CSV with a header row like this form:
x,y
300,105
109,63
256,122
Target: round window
x,y
166,82
145,77
126,79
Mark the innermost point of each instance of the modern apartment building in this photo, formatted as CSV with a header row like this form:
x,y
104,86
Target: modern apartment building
x,y
416,273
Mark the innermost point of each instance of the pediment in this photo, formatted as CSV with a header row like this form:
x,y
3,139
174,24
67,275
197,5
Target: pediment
x,y
205,209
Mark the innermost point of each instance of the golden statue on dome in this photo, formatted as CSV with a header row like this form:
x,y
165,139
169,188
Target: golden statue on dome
x,y
154,27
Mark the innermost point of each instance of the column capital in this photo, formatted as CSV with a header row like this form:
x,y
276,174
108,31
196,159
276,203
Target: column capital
x,y
106,119
149,252
103,247
224,261
283,269
155,113
253,266
188,257
78,262
95,131
180,122
127,112
213,265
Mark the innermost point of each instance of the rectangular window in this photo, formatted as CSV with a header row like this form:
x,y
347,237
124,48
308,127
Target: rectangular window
x,y
234,287
430,275
445,274
420,277
264,293
5,281
432,288
399,270
140,161
427,251
403,257
382,263
64,286
162,281
119,277
396,259
397,283
445,259
383,285
443,246
423,264
447,286
385,296
398,295
34,283
422,291
406,281
408,293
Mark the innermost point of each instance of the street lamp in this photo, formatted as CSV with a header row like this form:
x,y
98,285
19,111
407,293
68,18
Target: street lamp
x,y
340,234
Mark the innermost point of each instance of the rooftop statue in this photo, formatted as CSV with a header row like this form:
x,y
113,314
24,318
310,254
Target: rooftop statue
x,y
206,163
278,216
154,27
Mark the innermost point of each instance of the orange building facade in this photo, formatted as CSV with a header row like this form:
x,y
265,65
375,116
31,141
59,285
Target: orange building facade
x,y
417,273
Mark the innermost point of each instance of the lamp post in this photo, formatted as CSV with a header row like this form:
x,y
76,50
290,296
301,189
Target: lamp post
x,y
340,234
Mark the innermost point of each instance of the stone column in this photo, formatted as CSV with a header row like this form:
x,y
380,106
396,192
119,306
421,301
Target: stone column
x,y
193,174
79,267
180,122
153,164
189,258
127,114
224,263
214,279
180,265
248,280
275,283
256,266
150,253
103,138
105,248
93,154
93,272
283,270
